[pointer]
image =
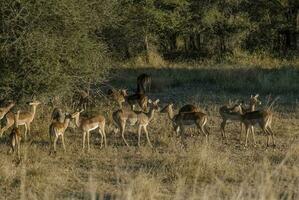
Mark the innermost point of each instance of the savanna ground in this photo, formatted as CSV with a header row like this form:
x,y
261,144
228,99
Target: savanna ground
x,y
168,171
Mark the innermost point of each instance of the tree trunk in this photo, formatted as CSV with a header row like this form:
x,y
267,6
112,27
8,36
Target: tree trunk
x,y
146,43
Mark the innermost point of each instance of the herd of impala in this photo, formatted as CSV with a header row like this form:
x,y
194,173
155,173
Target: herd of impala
x,y
127,115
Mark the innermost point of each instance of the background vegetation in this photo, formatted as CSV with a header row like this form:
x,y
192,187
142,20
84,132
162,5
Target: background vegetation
x,y
71,41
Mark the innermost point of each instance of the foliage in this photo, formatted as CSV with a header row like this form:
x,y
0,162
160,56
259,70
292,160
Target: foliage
x,y
71,41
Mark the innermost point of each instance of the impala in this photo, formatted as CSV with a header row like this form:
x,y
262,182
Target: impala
x,y
181,120
261,117
119,96
15,136
130,117
231,114
57,129
88,124
25,118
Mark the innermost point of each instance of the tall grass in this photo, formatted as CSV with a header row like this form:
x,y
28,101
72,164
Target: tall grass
x,y
174,168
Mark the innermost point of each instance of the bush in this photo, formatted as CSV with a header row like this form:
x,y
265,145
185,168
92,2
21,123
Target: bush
x,y
49,47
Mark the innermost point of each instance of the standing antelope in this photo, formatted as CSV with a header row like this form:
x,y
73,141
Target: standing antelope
x,y
15,136
261,117
57,129
144,83
89,124
183,119
130,117
231,114
25,118
119,96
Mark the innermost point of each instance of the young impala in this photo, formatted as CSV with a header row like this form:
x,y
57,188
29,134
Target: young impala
x,y
129,117
183,119
25,118
57,129
88,124
15,136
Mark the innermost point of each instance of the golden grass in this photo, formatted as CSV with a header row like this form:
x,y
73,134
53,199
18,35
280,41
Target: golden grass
x,y
174,169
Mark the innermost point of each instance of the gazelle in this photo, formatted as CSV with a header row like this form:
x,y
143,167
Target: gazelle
x,y
261,117
6,109
130,117
88,124
181,120
57,129
119,96
15,136
25,118
144,83
231,113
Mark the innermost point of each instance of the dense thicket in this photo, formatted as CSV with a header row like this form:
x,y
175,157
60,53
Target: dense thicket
x,y
50,46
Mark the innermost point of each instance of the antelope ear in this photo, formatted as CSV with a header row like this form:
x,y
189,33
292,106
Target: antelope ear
x,y
251,96
81,110
257,95
157,101
150,101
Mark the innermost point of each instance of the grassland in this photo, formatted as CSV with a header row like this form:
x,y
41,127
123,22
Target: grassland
x,y
170,170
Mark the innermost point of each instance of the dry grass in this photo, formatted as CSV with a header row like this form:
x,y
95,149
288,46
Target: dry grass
x,y
174,169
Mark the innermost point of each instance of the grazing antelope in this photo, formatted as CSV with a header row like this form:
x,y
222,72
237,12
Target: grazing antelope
x,y
88,124
57,129
130,117
25,118
231,114
15,136
119,96
144,82
183,119
4,110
